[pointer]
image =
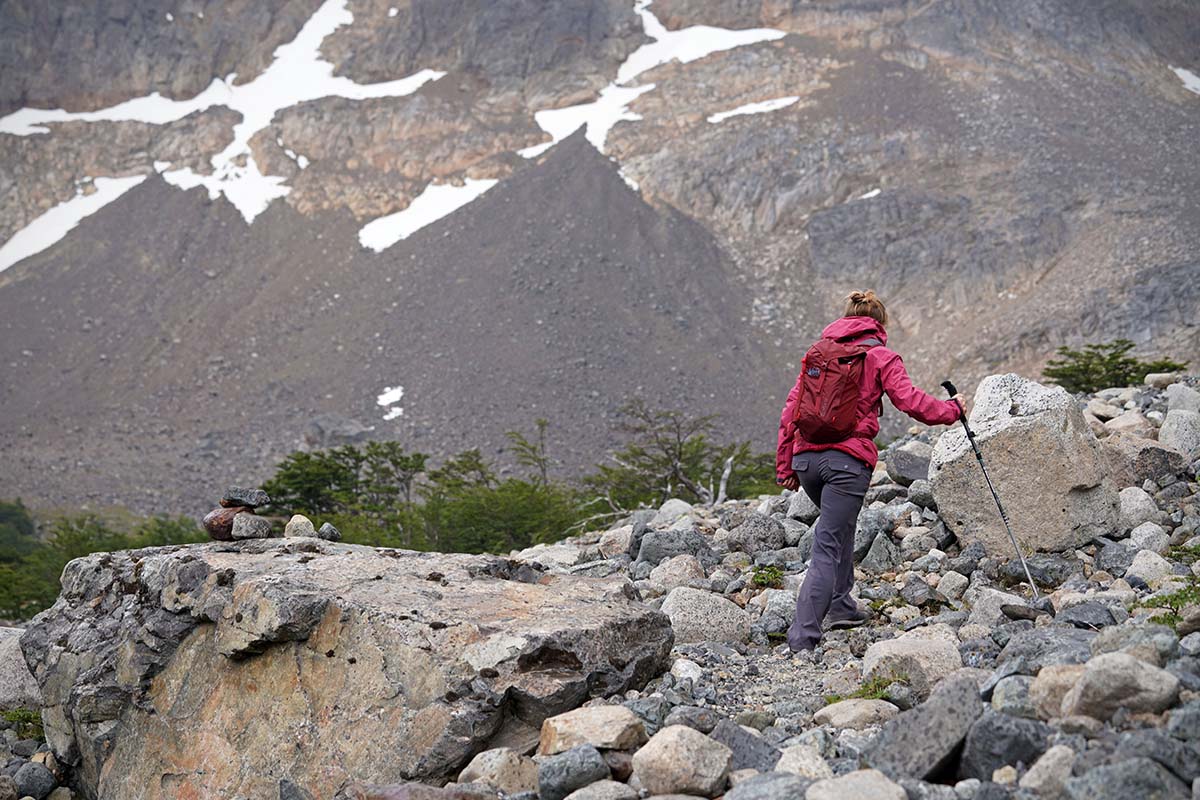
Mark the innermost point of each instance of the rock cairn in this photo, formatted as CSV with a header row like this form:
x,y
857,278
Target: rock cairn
x,y
235,519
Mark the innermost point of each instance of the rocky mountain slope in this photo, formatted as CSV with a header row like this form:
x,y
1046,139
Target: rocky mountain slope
x,y
642,660
1010,180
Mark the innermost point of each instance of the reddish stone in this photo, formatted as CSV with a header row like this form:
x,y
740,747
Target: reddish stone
x,y
219,522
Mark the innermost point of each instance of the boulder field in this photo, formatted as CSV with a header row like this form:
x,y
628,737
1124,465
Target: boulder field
x,y
645,660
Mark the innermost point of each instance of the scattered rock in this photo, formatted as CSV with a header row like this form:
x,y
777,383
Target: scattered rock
x,y
329,533
677,571
503,769
757,534
679,760
749,751
658,545
863,784
1131,460
856,713
1149,536
1051,685
996,740
1090,616
804,760
34,780
923,656
801,507
559,775
1181,431
700,616
1118,680
1137,507
908,462
1050,773
670,512
604,727
883,556
604,790
1148,567
924,741
1137,777
1011,696
769,786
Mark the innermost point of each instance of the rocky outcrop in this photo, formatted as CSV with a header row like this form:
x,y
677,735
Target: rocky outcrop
x,y
95,54
1044,461
39,172
374,156
549,59
223,669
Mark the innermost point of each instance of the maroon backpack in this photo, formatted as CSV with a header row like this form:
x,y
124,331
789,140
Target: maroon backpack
x,y
830,376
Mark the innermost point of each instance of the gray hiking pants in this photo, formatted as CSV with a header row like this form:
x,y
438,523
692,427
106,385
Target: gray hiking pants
x,y
837,483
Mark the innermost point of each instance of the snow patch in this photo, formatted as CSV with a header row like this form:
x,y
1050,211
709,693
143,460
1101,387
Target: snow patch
x,y
388,399
56,223
688,44
393,11
297,75
761,107
435,202
1191,81
599,116
611,107
870,194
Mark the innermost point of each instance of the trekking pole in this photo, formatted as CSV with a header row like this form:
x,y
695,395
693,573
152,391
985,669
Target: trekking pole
x,y
962,417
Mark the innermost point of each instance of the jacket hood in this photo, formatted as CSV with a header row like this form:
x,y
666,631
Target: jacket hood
x,y
855,327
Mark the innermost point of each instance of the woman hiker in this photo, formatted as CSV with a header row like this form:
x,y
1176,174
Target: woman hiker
x,y
826,446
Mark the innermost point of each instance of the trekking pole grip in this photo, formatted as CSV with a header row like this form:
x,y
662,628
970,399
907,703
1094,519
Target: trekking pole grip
x,y
952,391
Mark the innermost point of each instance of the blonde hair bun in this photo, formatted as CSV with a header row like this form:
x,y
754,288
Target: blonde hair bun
x,y
866,304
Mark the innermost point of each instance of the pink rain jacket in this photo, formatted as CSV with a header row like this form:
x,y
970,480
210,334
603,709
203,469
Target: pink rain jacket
x,y
883,372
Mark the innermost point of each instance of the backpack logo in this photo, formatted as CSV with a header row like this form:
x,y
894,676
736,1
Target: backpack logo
x,y
814,372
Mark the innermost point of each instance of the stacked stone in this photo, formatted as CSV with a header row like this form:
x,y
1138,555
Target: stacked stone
x,y
235,519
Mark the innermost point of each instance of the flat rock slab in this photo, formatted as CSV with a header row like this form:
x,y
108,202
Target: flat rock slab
x,y
219,669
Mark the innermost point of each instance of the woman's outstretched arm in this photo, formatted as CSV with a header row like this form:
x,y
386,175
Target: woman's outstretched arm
x,y
919,405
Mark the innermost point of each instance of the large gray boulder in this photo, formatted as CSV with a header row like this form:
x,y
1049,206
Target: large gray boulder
x,y
18,689
925,741
1044,460
223,668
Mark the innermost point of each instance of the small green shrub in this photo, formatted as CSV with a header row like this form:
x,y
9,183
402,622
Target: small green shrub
x,y
874,688
1102,366
767,577
28,723
1184,555
1170,605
